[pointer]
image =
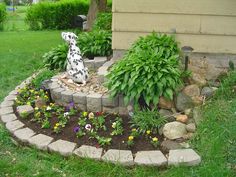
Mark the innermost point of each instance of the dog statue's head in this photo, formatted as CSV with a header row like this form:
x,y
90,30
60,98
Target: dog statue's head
x,y
69,37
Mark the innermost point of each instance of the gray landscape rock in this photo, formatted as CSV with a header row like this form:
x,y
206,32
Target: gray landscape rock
x,y
165,104
123,157
191,90
89,152
25,109
8,118
110,110
197,116
198,79
99,61
183,102
40,141
191,127
14,125
168,145
63,147
94,102
90,64
186,157
167,114
150,158
24,134
207,92
6,110
174,130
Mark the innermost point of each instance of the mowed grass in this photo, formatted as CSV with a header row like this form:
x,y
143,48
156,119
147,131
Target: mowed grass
x,y
21,54
15,20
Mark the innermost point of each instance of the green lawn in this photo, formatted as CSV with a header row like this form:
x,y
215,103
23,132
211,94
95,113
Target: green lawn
x,y
15,20
21,54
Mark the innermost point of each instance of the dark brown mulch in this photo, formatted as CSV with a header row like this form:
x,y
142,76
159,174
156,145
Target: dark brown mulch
x,y
118,142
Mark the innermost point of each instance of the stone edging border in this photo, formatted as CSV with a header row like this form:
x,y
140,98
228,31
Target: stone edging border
x,y
125,157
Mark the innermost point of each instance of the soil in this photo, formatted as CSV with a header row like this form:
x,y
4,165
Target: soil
x,y
118,142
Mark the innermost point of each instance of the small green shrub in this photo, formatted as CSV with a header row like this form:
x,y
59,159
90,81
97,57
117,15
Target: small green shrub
x,y
57,15
150,69
95,43
44,75
3,15
147,120
103,22
56,58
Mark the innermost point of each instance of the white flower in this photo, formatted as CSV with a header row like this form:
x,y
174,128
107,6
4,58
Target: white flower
x,y
49,108
113,125
88,127
66,114
91,115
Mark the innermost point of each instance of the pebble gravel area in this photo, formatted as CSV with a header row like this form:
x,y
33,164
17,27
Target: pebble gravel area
x,y
125,157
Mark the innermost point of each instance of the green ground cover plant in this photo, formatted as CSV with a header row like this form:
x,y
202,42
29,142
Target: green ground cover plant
x,y
150,69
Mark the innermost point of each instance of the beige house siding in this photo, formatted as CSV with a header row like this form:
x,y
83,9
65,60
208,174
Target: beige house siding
x,y
209,26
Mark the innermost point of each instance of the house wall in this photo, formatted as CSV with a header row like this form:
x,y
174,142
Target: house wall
x,y
209,26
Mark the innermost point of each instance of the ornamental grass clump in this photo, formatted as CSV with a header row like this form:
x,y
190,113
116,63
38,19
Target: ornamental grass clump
x,y
150,69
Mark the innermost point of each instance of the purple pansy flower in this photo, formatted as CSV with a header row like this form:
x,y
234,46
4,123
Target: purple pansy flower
x,y
76,129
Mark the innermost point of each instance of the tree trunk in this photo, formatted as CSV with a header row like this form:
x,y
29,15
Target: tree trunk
x,y
95,7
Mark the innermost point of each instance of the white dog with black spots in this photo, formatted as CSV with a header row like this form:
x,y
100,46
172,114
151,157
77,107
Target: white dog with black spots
x,y
76,70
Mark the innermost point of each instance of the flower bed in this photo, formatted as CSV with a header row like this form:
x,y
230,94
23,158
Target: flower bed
x,y
110,131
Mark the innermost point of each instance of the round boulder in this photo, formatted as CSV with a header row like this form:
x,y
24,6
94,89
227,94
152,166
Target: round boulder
x,y
174,130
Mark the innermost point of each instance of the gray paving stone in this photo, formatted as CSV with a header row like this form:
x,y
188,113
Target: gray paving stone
x,y
40,141
89,64
7,104
10,98
89,152
123,157
110,102
8,118
80,98
56,93
99,61
6,110
67,96
94,102
25,109
110,110
108,63
186,157
82,107
14,125
63,147
53,85
24,134
150,158
13,92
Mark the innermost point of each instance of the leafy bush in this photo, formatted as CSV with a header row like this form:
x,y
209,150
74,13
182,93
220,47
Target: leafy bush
x,y
95,43
56,58
150,69
58,15
103,22
147,120
3,15
44,75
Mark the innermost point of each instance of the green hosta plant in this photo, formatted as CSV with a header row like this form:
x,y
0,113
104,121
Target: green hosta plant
x,y
150,69
95,43
56,58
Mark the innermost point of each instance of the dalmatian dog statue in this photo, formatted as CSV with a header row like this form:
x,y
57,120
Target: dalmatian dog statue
x,y
76,71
